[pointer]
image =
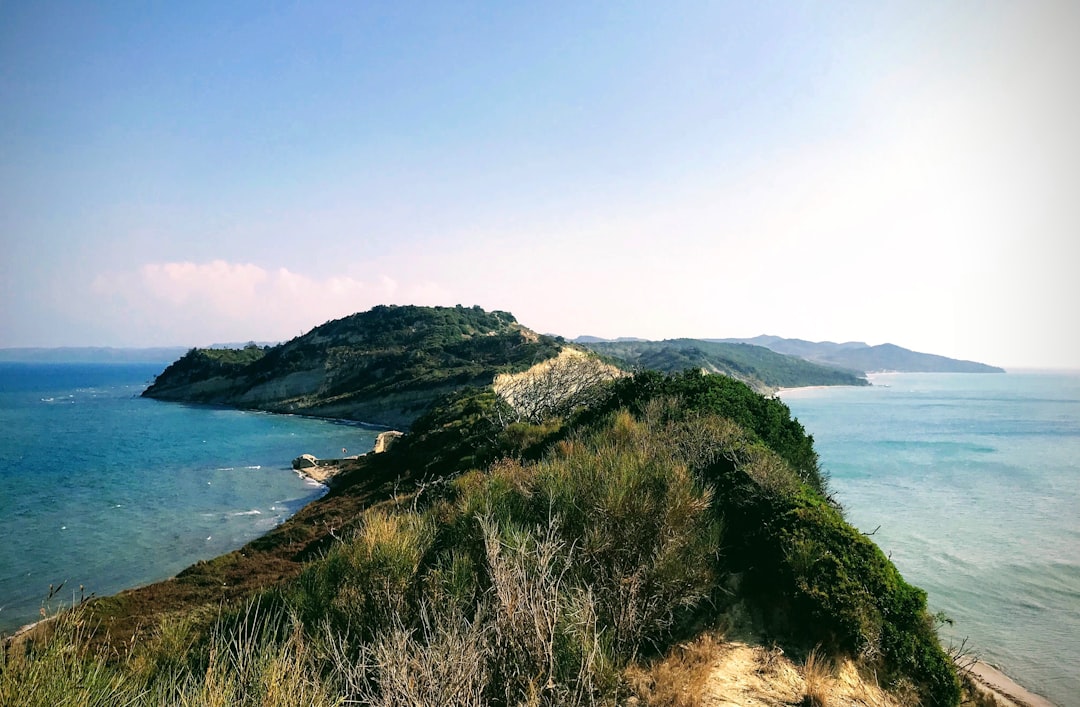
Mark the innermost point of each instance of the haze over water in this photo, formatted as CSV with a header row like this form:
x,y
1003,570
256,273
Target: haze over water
x,y
974,480
103,488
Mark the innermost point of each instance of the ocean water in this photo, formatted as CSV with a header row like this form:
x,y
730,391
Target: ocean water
x,y
972,484
102,488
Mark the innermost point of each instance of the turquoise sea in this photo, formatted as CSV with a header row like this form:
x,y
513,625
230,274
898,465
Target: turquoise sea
x,y
971,483
102,488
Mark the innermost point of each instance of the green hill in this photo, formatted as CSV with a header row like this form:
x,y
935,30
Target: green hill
x,y
757,366
384,366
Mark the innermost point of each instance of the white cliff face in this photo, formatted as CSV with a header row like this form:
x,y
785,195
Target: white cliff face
x,y
294,385
385,440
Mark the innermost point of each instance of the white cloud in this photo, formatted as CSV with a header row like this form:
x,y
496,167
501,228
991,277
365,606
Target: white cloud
x,y
199,303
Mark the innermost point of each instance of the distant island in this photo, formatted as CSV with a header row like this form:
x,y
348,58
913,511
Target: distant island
x,y
90,354
852,356
761,368
859,356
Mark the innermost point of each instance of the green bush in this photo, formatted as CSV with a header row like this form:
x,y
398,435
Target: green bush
x,y
766,419
821,581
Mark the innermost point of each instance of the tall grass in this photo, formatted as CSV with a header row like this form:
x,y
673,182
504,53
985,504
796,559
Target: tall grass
x,y
52,666
528,584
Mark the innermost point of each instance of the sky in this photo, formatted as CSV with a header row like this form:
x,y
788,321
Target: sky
x,y
198,172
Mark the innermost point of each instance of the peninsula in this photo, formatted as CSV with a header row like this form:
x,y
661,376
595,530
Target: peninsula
x,y
550,530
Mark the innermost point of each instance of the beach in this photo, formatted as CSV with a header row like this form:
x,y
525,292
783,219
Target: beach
x,y
1004,689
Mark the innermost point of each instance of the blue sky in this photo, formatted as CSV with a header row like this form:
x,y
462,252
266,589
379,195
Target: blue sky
x,y
184,173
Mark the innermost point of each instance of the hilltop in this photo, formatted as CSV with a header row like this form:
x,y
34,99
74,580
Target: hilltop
x,y
384,366
550,531
602,552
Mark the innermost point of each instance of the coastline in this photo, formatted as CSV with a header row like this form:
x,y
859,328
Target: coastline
x,y
982,677
778,392
1003,688
324,471
1009,693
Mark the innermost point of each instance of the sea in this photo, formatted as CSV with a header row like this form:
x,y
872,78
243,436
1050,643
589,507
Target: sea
x,y
970,483
102,490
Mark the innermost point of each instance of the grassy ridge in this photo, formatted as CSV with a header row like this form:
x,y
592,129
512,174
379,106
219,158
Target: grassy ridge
x,y
536,564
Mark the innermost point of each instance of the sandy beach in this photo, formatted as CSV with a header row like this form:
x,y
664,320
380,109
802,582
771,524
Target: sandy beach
x,y
1006,690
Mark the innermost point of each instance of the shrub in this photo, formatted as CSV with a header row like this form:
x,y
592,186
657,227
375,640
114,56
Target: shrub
x,y
824,581
763,419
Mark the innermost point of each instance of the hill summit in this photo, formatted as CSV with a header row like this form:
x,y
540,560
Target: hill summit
x,y
384,366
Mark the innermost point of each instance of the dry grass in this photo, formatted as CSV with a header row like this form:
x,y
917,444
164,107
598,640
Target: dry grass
x,y
817,674
679,680
711,672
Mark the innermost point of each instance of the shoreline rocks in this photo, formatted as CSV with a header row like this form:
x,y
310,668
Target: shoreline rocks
x,y
324,470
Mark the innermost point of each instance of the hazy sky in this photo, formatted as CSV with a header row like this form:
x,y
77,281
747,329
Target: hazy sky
x,y
185,173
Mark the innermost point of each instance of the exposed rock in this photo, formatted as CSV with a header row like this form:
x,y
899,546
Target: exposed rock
x,y
385,440
305,461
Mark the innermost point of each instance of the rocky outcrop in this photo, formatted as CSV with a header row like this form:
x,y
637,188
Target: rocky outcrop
x,y
324,470
305,461
385,440
320,470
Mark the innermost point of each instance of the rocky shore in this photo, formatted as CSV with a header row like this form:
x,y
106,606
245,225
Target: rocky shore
x,y
324,471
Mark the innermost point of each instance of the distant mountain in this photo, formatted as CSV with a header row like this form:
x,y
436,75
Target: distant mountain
x,y
382,366
240,345
585,339
757,366
859,356
91,354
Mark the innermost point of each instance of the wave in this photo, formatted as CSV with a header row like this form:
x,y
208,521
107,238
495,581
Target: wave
x,y
252,512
